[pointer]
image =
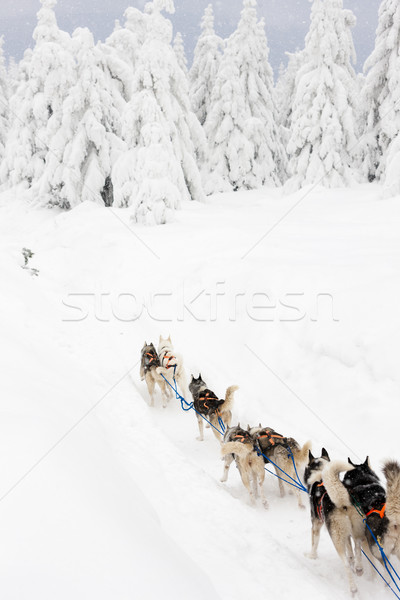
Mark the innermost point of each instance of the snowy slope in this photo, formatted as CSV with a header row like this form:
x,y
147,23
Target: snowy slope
x,y
129,503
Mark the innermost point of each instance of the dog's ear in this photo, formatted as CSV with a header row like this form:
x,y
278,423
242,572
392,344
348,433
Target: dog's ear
x,y
366,463
169,337
248,427
199,377
351,462
260,425
310,456
145,344
324,454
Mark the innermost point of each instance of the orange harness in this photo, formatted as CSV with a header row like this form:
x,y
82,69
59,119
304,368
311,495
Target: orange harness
x,y
205,397
153,357
381,512
271,436
150,360
241,438
169,358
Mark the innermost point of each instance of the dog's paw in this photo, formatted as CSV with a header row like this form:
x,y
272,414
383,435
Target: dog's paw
x,y
200,438
302,507
359,571
265,504
311,555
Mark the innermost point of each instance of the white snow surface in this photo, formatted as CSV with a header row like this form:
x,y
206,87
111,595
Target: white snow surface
x,y
125,502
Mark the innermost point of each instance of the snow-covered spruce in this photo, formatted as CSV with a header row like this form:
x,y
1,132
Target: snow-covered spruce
x,y
179,50
284,92
122,48
46,75
207,57
244,142
158,126
4,100
84,149
323,125
381,102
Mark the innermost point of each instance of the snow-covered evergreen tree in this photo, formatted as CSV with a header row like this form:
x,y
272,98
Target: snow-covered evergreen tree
x,y
122,47
158,117
323,134
285,91
381,100
245,146
4,99
46,74
85,147
179,50
207,57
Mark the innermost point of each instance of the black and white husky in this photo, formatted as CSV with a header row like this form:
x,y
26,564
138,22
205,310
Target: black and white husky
x,y
330,504
381,508
206,403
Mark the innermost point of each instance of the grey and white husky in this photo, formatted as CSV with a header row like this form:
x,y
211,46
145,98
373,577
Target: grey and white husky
x,y
238,446
149,363
206,403
276,447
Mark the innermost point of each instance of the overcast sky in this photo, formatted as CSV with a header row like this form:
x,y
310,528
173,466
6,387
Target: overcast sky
x,y
287,21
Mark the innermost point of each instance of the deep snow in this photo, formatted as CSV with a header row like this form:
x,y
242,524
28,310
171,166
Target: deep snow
x,y
129,504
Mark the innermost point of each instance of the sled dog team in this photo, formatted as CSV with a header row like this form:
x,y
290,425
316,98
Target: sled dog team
x,y
357,510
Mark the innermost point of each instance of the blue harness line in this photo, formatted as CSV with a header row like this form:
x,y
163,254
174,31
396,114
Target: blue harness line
x,y
386,561
380,574
186,406
295,483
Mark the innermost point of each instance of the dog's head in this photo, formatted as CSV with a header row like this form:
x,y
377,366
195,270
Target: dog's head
x,y
313,471
148,348
362,474
197,384
164,342
254,430
236,433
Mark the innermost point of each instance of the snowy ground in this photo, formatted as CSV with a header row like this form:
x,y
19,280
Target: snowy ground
x,y
129,503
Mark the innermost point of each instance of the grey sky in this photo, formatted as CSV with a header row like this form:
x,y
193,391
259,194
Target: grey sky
x,y
287,21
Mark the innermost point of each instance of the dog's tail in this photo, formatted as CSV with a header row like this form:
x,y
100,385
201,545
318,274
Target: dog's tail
x,y
229,397
301,455
391,470
242,450
335,488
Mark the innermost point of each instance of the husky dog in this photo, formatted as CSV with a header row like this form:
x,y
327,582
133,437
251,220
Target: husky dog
x,y
391,471
276,447
381,509
208,404
238,445
149,363
171,364
330,503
